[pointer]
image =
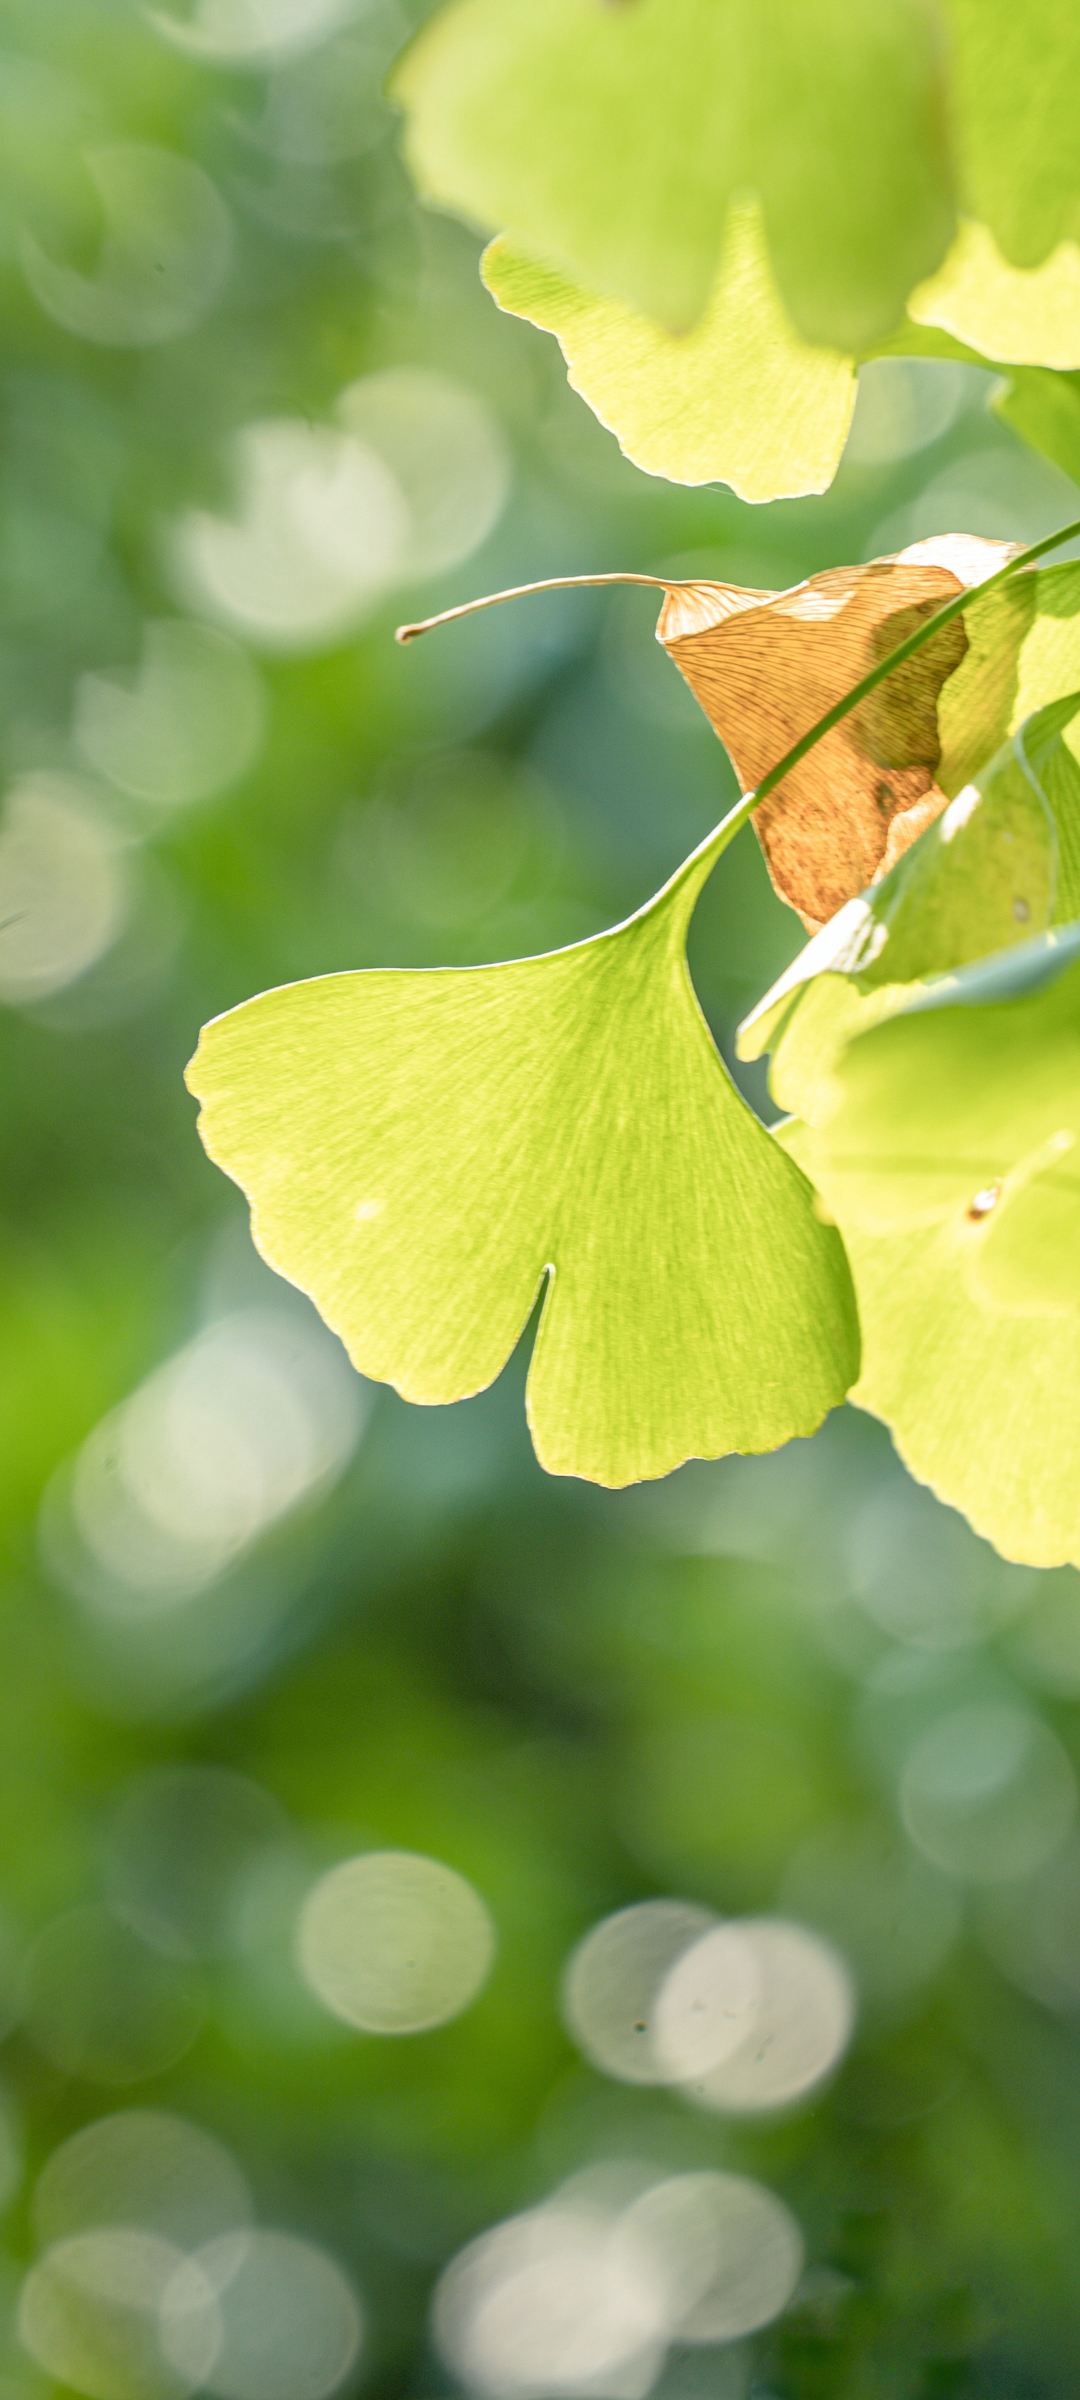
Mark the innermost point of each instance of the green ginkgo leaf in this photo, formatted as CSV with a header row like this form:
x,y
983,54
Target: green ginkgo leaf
x,y
425,1151
608,141
741,399
1010,314
982,1405
951,1164
1015,125
1044,409
961,1106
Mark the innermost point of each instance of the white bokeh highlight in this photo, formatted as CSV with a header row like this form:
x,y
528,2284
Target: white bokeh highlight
x,y
65,886
448,456
796,2032
288,2324
613,1980
89,2314
251,32
141,2167
260,1413
153,2283
327,519
318,527
185,724
166,250
987,1792
585,2293
394,1943
742,2015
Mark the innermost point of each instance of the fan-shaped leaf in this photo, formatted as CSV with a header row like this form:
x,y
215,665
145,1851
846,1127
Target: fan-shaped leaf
x,y
741,399
1010,314
957,1104
951,1164
424,1151
1001,863
983,1406
608,141
1015,77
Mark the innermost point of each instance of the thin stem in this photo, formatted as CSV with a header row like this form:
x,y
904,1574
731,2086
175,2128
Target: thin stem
x,y
521,591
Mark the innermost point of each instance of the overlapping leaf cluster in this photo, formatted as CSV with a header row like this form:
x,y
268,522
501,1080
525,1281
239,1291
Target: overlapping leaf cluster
x,y
720,208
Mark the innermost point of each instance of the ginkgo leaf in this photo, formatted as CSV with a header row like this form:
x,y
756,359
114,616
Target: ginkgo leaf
x,y
952,1168
741,399
610,140
1044,409
1015,120
1010,314
983,1406
1000,865
425,1151
953,1107
766,665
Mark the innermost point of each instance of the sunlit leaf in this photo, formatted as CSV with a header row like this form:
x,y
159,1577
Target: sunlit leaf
x,y
1044,409
951,1166
1015,78
962,890
957,1104
424,1152
742,399
983,1406
1011,314
609,141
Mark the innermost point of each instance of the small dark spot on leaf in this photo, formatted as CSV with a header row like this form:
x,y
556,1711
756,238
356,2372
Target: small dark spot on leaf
x,y
1021,911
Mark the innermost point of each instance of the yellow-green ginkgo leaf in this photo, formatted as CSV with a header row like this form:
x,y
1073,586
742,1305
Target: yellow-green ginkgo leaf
x,y
424,1151
741,399
966,1108
982,1405
1017,315
1014,74
1043,407
609,141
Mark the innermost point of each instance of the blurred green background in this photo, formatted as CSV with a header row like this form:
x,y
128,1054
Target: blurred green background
x,y
257,1618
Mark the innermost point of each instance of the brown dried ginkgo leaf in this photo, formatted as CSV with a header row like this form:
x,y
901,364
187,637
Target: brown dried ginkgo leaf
x,y
766,666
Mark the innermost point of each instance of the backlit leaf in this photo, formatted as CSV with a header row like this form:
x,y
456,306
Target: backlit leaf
x,y
424,1152
983,1406
1015,78
1008,313
953,1108
951,1166
740,399
609,140
1044,409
